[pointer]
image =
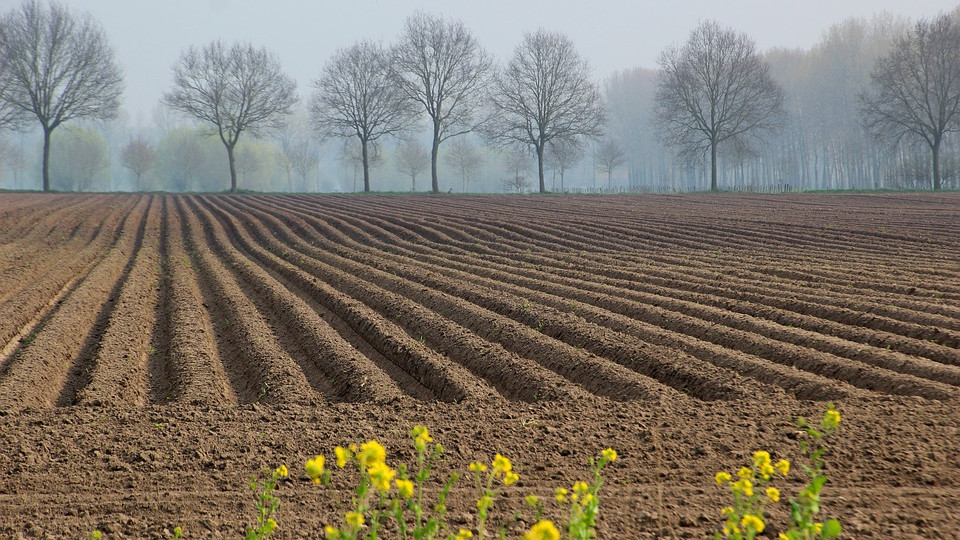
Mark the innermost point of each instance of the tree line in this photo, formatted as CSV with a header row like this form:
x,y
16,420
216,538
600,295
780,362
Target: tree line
x,y
875,104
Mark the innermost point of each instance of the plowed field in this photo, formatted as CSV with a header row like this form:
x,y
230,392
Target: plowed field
x,y
158,349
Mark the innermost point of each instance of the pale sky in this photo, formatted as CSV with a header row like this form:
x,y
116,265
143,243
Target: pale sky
x,y
148,35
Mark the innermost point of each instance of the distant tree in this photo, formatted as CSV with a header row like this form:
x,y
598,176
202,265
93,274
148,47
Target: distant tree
x,y
249,161
915,88
13,156
303,157
545,93
713,89
516,160
235,89
609,155
356,96
139,156
440,65
412,159
81,159
181,156
563,155
466,158
56,66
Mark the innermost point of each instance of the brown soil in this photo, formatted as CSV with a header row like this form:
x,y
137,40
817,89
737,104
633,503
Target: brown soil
x,y
157,350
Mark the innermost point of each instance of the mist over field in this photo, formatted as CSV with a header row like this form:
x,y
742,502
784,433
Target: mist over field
x,y
819,55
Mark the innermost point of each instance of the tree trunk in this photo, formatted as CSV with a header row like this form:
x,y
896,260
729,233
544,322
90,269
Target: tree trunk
x,y
936,165
543,185
233,168
413,178
434,153
46,158
713,167
366,167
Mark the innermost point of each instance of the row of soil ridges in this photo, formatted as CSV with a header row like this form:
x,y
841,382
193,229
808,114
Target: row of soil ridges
x,y
218,301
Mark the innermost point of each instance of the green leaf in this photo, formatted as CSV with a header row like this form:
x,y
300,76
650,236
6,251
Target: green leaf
x,y
831,529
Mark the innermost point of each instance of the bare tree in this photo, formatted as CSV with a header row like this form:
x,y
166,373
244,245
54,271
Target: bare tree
x,y
82,158
57,66
563,155
545,93
609,155
139,156
182,157
351,155
412,159
916,88
303,158
440,65
236,89
356,97
716,87
466,158
515,162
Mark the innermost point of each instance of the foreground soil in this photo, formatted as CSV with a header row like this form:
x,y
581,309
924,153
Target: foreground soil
x,y
158,350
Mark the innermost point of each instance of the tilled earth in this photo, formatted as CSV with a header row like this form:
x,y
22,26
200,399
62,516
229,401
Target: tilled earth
x,y
159,349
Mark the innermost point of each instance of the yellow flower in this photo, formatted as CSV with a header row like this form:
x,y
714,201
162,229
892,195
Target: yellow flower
x,y
485,502
728,511
543,530
270,525
331,532
722,477
380,476
588,498
831,419
818,528
782,536
281,471
405,487
752,522
610,454
314,468
420,438
744,472
730,529
510,478
343,455
561,494
773,494
476,466
744,487
463,534
353,448
580,488
760,457
371,453
355,519
501,465
766,471
532,500
783,466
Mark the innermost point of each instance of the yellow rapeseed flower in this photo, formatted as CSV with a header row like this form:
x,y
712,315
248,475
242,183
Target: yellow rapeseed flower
x,y
818,528
782,536
728,511
510,478
405,488
281,471
543,530
773,494
588,499
730,529
464,534
371,453
744,487
314,468
745,472
420,438
485,502
783,466
580,488
831,419
610,454
355,519
332,532
722,477
560,494
380,476
270,525
532,500
476,466
760,457
343,455
752,522
766,471
501,465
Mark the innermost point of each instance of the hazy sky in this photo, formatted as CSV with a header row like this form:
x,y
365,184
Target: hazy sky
x,y
149,34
